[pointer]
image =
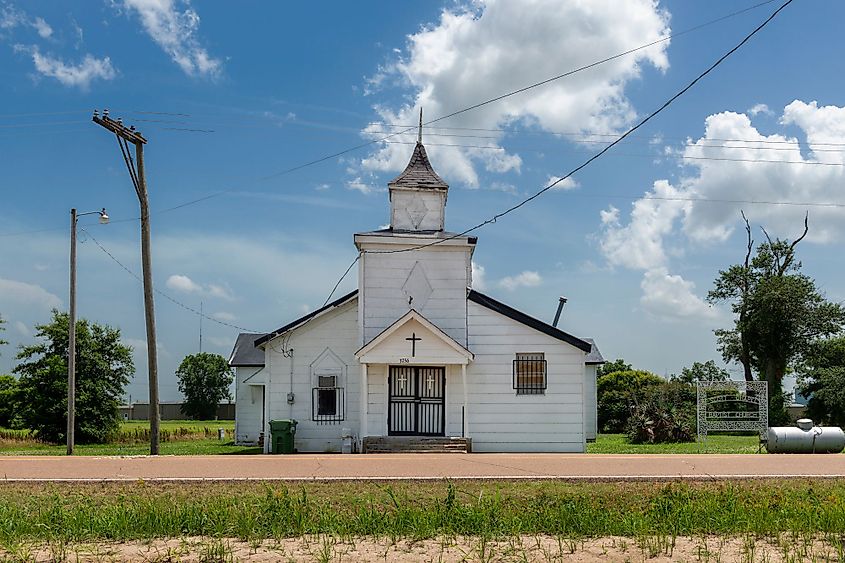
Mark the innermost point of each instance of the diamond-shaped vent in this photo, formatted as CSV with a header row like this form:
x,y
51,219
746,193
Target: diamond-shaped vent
x,y
417,288
417,210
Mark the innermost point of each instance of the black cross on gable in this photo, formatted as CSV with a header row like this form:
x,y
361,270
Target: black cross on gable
x,y
413,338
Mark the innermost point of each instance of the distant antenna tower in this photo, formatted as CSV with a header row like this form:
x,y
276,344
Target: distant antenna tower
x,y
201,315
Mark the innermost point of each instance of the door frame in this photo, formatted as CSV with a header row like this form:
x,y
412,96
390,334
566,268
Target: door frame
x,y
417,400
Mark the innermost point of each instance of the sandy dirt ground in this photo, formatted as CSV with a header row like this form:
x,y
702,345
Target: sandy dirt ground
x,y
409,466
445,550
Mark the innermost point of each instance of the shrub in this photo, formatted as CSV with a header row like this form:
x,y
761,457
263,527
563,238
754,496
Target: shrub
x,y
664,413
617,393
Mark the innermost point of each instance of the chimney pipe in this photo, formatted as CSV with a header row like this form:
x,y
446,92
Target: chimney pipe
x,y
561,303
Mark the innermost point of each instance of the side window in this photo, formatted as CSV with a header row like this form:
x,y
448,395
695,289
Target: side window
x,y
327,397
529,373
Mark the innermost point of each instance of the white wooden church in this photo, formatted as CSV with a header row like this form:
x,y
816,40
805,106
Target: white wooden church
x,y
415,356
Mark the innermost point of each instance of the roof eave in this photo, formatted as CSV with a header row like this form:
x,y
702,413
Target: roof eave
x,y
305,318
527,320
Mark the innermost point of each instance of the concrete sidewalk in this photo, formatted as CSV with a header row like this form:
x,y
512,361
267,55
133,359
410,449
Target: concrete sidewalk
x,y
421,466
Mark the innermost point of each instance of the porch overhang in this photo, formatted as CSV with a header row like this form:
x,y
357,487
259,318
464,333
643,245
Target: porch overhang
x,y
414,340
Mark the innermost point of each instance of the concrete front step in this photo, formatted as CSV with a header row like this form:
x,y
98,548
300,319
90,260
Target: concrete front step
x,y
416,444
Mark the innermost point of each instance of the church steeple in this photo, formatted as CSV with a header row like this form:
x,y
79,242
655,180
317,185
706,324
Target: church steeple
x,y
418,194
419,135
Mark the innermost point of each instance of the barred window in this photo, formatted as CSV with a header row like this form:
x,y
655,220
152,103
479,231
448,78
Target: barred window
x,y
327,400
529,373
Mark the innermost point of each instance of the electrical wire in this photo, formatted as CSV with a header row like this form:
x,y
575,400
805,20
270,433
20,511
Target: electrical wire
x,y
678,156
618,140
591,159
460,111
163,294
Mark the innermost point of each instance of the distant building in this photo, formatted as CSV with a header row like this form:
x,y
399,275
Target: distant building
x,y
170,410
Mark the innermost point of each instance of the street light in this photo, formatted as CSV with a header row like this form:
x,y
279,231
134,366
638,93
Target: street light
x,y
71,336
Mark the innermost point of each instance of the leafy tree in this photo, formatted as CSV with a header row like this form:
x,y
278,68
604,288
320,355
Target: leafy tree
x,y
610,367
2,328
617,395
824,380
204,380
103,368
8,389
708,371
664,413
779,314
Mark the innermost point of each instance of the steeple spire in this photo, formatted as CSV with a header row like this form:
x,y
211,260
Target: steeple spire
x,y
419,135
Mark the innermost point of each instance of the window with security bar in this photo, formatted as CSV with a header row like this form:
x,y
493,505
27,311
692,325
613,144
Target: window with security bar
x,y
529,373
327,400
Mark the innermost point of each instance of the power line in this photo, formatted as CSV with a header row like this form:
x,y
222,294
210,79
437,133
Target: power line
x,y
594,157
163,294
329,298
708,141
497,98
475,106
679,156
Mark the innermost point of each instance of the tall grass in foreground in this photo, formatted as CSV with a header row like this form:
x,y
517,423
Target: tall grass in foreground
x,y
418,510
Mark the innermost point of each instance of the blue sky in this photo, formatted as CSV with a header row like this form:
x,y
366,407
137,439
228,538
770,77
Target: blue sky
x,y
231,98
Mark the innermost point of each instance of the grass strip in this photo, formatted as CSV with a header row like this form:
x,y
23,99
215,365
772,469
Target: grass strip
x,y
416,510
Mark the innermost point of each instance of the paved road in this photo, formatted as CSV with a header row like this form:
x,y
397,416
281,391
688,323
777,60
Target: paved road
x,y
421,466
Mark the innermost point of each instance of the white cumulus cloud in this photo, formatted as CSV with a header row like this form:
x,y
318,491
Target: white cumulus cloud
x,y
173,25
489,47
479,282
639,244
79,75
527,278
564,185
42,27
357,184
671,297
22,293
178,282
729,168
184,284
759,108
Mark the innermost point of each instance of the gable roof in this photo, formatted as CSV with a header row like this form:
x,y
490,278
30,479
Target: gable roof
x,y
304,319
527,320
430,326
594,356
419,173
245,354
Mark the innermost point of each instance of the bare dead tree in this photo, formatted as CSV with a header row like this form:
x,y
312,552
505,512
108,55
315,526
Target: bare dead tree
x,y
745,352
784,258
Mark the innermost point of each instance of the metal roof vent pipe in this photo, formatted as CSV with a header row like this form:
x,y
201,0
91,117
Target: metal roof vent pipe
x,y
561,303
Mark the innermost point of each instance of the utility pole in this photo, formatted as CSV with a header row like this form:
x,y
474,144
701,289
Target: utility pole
x,y
126,135
71,340
71,330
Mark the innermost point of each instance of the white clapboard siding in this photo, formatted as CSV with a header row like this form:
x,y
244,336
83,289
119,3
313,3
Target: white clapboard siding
x,y
501,420
591,421
338,331
454,401
383,276
377,400
248,404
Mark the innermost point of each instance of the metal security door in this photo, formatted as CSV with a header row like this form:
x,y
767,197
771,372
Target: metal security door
x,y
416,401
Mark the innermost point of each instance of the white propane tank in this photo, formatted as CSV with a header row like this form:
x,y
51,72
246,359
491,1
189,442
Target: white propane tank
x,y
805,439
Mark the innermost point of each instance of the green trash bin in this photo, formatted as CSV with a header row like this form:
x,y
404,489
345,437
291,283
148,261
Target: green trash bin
x,y
282,433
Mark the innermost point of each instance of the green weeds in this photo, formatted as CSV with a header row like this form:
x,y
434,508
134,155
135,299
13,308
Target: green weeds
x,y
652,515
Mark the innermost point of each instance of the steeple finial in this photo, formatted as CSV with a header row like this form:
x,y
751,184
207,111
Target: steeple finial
x,y
419,136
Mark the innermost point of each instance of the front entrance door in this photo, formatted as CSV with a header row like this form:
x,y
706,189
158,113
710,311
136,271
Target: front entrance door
x,y
416,403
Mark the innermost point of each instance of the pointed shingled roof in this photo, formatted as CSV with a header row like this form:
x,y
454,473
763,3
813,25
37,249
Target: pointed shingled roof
x,y
419,173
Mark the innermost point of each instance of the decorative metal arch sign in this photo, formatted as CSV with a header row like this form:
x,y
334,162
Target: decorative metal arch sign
x,y
732,406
